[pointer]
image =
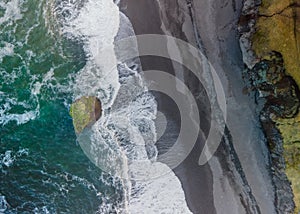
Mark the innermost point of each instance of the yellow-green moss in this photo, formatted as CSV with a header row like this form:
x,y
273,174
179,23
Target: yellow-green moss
x,y
292,157
278,29
84,112
279,32
290,131
269,7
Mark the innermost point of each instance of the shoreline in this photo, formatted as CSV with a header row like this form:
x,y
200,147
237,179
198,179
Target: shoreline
x,y
284,194
223,183
188,172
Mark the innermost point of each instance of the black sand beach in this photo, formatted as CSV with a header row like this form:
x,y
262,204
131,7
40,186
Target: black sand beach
x,y
197,180
230,182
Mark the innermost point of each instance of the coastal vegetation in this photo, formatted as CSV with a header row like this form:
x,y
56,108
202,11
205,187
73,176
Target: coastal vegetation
x,y
277,29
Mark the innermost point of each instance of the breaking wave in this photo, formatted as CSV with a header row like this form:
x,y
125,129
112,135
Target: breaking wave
x,y
122,142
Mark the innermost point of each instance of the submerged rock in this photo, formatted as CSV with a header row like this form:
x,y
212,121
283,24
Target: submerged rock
x,y
85,112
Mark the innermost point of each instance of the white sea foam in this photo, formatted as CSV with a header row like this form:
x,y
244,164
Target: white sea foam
x,y
20,118
43,210
122,142
9,157
31,107
162,194
3,204
12,11
7,50
97,24
38,85
154,182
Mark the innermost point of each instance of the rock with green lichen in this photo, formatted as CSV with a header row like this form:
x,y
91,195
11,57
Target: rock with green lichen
x,y
279,89
85,112
278,29
290,131
282,100
274,26
292,157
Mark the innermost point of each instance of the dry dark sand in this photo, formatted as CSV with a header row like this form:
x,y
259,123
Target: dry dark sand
x,y
196,180
236,179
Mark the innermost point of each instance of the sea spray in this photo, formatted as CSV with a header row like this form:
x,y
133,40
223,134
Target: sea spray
x,y
96,24
36,77
122,141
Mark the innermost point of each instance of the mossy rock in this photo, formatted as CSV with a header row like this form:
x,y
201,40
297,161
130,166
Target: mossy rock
x,y
85,112
281,91
295,180
278,29
292,155
289,129
270,7
293,171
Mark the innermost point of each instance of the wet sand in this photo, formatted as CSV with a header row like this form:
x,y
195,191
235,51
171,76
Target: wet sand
x,y
196,180
236,179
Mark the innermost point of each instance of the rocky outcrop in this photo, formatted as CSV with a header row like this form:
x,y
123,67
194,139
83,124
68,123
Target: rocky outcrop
x,y
281,98
278,29
282,94
85,112
270,38
290,131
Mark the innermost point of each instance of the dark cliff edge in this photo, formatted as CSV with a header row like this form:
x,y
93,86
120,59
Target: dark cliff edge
x,y
229,182
276,95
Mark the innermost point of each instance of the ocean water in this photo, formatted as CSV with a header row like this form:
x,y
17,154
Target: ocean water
x,y
51,53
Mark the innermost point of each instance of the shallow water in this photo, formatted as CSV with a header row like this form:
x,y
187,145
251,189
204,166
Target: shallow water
x,y
42,168
51,55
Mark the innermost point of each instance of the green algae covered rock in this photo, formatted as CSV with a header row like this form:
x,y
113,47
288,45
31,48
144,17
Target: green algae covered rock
x,y
278,29
281,92
282,101
85,112
290,131
292,157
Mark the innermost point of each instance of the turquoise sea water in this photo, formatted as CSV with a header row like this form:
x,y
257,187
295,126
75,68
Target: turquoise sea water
x,y
51,53
42,167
